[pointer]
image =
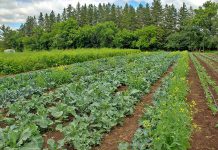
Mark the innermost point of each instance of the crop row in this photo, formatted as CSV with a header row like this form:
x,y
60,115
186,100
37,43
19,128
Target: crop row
x,y
207,83
167,123
84,110
37,82
211,57
208,61
23,62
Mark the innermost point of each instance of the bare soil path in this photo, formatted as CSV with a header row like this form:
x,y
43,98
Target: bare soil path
x,y
126,132
209,70
206,136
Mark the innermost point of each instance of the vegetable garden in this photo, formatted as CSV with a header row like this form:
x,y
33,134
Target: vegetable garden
x,y
75,106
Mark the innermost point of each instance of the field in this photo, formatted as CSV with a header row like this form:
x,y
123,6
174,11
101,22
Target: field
x,y
109,100
17,63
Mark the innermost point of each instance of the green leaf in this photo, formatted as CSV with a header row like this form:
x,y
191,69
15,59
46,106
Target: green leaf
x,y
43,122
13,136
35,144
24,136
123,146
52,144
59,127
57,114
9,120
61,143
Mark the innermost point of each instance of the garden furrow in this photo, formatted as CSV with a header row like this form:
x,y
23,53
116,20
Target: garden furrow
x,y
126,131
85,111
212,64
205,134
209,70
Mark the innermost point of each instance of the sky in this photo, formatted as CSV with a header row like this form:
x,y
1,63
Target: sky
x,y
14,12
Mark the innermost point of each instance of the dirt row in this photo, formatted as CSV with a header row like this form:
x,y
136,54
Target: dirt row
x,y
205,136
126,132
210,70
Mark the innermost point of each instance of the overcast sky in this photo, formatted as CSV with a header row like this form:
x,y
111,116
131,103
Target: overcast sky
x,y
14,12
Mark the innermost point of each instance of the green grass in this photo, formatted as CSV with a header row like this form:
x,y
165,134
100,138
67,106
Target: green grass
x,y
29,61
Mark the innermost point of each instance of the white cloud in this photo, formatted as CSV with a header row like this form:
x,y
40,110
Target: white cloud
x,y
16,11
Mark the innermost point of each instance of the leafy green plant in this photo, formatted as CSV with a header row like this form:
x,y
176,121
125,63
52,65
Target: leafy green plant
x,y
167,124
53,145
207,82
92,104
123,146
25,137
62,110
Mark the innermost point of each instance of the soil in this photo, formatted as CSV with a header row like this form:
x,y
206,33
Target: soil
x,y
3,125
215,95
55,135
215,56
3,114
212,73
68,120
205,137
121,88
126,132
209,70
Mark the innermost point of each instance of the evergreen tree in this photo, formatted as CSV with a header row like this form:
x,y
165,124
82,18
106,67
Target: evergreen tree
x,y
140,16
41,20
107,14
47,23
125,22
182,29
78,13
95,15
52,19
90,15
64,15
69,11
170,19
113,14
29,26
84,15
119,16
157,12
100,13
58,18
183,15
148,17
132,18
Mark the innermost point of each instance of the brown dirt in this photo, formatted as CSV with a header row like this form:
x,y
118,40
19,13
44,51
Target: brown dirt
x,y
55,135
3,125
3,114
68,120
209,70
126,132
214,55
206,137
121,88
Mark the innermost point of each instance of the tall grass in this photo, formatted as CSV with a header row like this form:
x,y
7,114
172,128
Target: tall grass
x,y
29,61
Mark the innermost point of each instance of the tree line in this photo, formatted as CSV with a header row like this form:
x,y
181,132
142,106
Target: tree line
x,y
108,25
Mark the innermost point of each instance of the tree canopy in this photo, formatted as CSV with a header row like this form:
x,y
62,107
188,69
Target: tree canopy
x,y
108,25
